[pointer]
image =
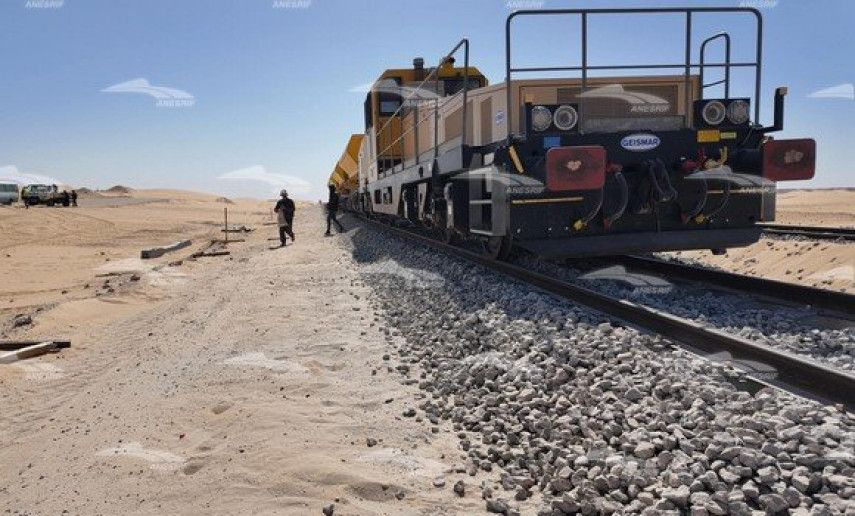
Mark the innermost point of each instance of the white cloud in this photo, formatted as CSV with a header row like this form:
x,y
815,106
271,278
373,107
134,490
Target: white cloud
x,y
11,173
362,88
258,173
841,91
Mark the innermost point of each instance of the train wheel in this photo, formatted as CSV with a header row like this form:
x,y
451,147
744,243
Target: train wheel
x,y
497,248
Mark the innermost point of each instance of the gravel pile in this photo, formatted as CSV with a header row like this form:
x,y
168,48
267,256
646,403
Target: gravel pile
x,y
571,414
779,326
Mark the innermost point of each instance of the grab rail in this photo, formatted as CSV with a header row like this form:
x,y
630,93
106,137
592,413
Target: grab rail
x,y
726,80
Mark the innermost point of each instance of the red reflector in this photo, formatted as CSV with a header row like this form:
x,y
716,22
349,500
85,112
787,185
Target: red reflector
x,y
789,160
575,168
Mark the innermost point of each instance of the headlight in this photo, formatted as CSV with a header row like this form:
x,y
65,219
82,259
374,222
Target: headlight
x,y
541,118
737,112
713,112
565,118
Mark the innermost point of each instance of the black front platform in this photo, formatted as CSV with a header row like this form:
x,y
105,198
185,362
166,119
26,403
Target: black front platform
x,y
632,243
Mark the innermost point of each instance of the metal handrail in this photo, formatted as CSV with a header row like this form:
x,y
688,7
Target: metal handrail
x,y
727,64
630,67
463,43
687,65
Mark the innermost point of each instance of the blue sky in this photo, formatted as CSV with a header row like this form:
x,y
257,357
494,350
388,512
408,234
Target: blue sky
x,y
272,81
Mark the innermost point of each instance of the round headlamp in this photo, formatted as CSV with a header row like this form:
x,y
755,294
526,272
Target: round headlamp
x,y
541,118
713,112
737,112
565,118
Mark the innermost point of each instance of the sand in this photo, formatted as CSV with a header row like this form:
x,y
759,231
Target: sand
x,y
832,208
818,263
251,384
50,255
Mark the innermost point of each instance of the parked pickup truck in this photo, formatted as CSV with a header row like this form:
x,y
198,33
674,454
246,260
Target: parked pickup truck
x,y
8,193
44,194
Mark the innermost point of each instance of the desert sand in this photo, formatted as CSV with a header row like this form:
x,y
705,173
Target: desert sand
x,y
51,256
819,263
243,384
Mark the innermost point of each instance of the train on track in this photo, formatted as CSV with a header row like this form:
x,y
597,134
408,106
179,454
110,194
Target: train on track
x,y
588,165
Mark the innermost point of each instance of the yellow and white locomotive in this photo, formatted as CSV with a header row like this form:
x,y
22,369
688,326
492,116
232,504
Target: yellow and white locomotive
x,y
582,166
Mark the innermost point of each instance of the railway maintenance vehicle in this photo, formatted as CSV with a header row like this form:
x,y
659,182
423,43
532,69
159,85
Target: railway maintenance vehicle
x,y
587,165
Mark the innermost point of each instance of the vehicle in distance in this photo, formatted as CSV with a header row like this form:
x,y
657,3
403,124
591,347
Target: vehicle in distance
x,y
8,193
43,194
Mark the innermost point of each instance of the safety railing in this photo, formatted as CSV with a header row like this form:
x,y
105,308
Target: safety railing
x,y
406,105
687,65
726,80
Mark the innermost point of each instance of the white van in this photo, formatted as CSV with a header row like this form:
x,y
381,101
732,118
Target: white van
x,y
8,193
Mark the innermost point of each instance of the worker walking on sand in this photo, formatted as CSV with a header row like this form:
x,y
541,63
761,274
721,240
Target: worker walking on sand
x,y
285,214
74,198
332,209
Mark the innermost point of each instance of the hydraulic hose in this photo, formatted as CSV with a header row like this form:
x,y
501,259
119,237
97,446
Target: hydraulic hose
x,y
624,200
724,200
583,222
658,172
699,206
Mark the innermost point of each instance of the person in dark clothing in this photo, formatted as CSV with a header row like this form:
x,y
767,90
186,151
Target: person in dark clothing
x,y
66,199
74,198
332,209
285,213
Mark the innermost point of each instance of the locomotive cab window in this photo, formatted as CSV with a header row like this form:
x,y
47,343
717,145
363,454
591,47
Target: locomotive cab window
x,y
389,103
388,107
452,86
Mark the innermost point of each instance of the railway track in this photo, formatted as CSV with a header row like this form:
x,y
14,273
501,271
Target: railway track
x,y
791,372
840,302
815,232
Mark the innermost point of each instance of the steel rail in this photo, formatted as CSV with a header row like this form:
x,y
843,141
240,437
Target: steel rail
x,y
790,292
793,373
816,232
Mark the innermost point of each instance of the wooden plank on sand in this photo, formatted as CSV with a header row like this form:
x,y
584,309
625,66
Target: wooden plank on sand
x,y
28,352
12,345
205,254
155,252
